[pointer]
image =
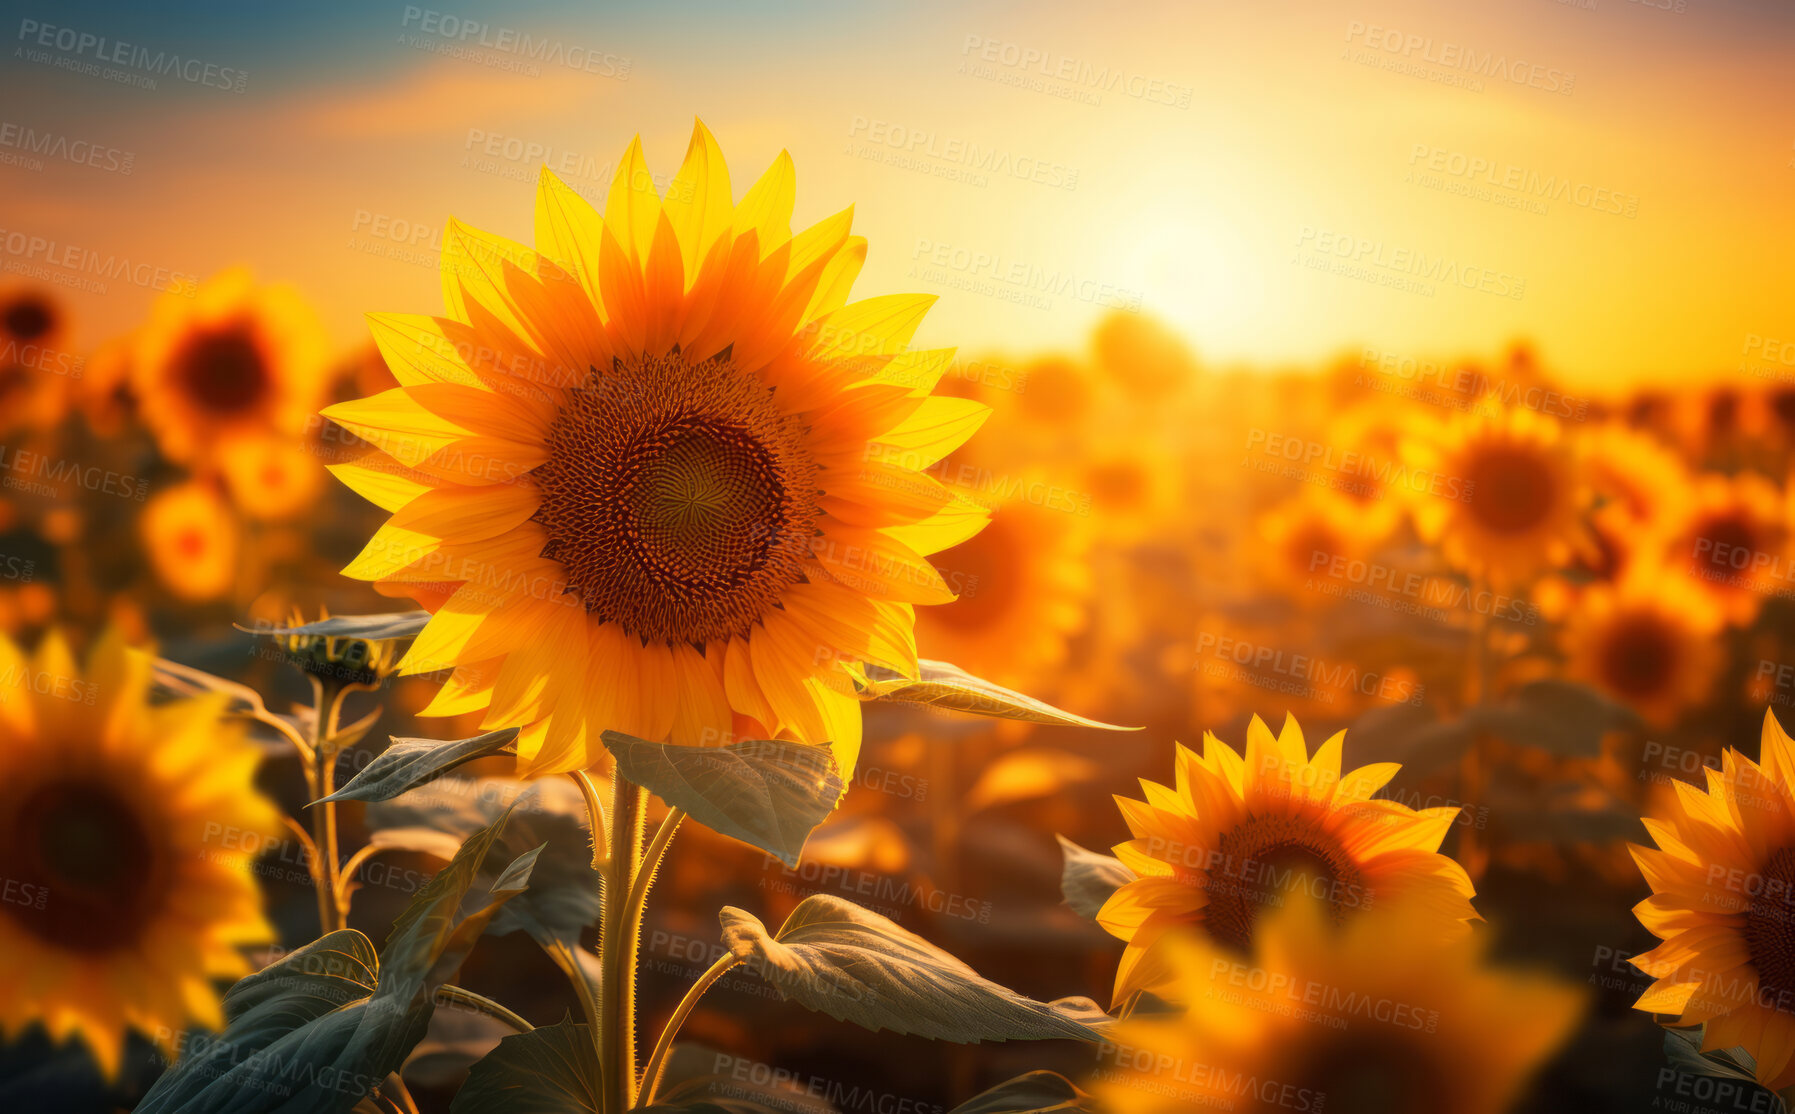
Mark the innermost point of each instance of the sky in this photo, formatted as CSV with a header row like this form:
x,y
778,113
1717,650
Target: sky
x,y
1282,181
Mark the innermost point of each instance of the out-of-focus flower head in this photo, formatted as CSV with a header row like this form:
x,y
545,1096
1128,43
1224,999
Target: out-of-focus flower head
x,y
191,537
232,361
1648,641
1379,1014
1499,492
127,837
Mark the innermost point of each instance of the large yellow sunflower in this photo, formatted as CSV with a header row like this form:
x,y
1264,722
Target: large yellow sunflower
x,y
1240,834
1647,641
228,361
658,475
1379,1016
1499,492
127,834
1723,902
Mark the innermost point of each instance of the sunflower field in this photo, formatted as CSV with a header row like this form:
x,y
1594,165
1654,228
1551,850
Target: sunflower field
x,y
645,676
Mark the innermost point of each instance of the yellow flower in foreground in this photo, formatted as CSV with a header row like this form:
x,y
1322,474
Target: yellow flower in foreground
x,y
1723,902
1239,835
658,475
190,535
227,361
1377,1017
1648,642
1499,492
127,833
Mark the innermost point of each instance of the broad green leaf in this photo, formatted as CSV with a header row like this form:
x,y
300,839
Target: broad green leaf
x,y
549,1070
941,685
548,815
1038,1092
1088,878
855,965
409,763
369,628
766,792
701,1080
319,1030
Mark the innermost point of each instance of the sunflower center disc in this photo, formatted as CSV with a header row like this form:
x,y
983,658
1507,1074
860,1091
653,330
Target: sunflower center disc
x,y
28,319
1640,657
85,865
223,372
1267,860
678,497
1511,490
1770,930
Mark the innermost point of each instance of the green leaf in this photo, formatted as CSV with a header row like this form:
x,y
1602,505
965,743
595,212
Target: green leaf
x,y
941,685
1559,716
319,1030
766,792
855,965
1088,878
409,763
549,1070
1038,1092
370,628
547,815
701,1080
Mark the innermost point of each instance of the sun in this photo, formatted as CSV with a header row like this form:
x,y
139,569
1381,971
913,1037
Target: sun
x,y
1240,834
658,474
134,827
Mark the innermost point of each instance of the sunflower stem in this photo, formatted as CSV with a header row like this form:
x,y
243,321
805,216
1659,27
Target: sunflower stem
x,y
657,1061
327,708
618,948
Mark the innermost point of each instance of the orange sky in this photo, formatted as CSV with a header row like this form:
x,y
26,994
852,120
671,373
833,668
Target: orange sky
x,y
1280,180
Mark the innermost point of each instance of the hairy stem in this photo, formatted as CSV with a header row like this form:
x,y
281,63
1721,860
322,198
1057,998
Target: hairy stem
x,y
657,1061
617,956
327,707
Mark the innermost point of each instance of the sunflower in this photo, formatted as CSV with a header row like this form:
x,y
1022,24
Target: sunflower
x,y
190,534
659,475
1499,492
1733,542
272,478
1025,582
227,361
1647,641
1636,476
1240,834
129,834
1380,1015
36,370
1303,541
1723,902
